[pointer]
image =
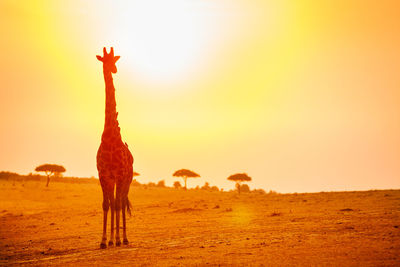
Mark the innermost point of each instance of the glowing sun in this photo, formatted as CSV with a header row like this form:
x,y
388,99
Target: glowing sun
x,y
165,40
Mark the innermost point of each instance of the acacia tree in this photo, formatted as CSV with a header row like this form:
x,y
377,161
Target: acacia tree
x,y
239,178
50,170
184,173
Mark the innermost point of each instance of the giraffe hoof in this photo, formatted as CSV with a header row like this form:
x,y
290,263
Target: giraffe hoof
x,y
110,243
103,245
118,243
125,242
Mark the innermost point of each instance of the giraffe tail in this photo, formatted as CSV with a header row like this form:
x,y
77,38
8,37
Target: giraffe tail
x,y
128,206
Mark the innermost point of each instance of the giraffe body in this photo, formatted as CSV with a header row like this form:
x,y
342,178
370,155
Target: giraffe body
x,y
114,160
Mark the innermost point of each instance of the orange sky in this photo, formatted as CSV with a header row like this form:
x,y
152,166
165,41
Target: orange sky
x,y
304,96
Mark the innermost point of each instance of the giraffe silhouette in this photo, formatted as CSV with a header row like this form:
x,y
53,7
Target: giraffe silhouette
x,y
114,160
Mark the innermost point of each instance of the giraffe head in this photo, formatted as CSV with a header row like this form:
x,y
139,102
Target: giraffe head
x,y
109,60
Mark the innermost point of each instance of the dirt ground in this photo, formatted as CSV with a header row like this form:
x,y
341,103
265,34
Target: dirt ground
x,y
62,225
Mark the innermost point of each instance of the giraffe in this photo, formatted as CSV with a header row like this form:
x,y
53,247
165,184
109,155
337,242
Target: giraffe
x,y
114,160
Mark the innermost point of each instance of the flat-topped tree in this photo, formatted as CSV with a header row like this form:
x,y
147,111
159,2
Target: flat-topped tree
x,y
184,173
239,178
50,170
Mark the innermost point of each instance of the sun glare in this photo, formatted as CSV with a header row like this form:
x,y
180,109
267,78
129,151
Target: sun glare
x,y
164,41
241,215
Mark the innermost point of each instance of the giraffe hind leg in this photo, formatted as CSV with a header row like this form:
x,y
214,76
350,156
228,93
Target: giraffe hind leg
x,y
124,207
106,205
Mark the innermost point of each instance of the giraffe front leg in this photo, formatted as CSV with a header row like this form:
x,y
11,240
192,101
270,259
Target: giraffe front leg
x,y
117,210
112,205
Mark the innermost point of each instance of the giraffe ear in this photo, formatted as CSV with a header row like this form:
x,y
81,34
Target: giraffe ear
x,y
116,58
99,58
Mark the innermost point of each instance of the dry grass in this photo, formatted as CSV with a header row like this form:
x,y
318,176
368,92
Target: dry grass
x,y
62,225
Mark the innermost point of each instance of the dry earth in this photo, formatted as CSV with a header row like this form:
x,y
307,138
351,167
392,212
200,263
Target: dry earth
x,y
62,225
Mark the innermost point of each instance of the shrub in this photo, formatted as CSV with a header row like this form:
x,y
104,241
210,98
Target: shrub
x,y
151,184
244,188
161,183
206,186
177,185
214,188
135,183
259,191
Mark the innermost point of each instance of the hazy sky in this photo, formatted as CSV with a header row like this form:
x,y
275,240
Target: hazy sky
x,y
302,95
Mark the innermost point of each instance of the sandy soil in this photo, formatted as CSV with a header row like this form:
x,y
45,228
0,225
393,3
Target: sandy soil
x,y
62,225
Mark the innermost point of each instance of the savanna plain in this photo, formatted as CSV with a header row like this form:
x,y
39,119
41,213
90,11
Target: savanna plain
x,y
62,225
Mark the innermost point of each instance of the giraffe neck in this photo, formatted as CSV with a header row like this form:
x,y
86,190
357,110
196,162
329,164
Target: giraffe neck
x,y
111,127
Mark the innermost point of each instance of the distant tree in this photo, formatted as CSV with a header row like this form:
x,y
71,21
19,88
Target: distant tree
x,y
206,186
184,173
177,185
135,183
151,184
239,178
161,183
50,170
214,188
7,175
